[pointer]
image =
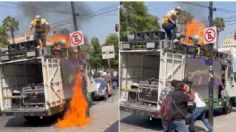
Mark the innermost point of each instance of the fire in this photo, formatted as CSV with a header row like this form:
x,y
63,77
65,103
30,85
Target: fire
x,y
194,28
59,38
76,115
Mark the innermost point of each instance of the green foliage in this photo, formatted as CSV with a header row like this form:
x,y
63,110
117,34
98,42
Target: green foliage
x,y
96,54
113,39
3,37
11,24
219,23
134,17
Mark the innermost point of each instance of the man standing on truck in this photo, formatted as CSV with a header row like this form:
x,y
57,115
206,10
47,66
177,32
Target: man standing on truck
x,y
181,99
41,26
169,22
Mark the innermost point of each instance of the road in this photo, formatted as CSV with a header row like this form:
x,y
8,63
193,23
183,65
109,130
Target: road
x,y
104,116
134,123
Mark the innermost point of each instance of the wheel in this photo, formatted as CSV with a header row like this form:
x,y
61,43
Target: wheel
x,y
228,109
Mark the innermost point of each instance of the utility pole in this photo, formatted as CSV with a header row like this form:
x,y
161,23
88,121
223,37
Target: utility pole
x,y
210,75
74,16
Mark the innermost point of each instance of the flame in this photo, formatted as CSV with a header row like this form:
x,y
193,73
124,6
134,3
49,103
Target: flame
x,y
194,28
59,38
76,115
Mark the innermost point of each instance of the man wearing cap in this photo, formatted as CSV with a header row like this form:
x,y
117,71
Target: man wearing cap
x,y
169,22
41,26
181,99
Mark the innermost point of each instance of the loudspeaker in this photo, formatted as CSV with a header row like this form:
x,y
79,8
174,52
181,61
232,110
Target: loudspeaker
x,y
138,36
158,35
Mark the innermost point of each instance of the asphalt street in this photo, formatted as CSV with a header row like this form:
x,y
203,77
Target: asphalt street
x,y
104,116
137,123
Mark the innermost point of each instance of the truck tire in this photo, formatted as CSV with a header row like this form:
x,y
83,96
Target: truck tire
x,y
228,109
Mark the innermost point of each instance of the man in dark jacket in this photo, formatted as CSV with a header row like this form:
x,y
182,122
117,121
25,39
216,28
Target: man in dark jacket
x,y
181,99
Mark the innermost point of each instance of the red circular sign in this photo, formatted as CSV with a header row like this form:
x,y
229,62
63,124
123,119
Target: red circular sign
x,y
210,35
76,38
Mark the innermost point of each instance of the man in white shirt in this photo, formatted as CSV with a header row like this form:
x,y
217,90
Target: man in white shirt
x,y
199,112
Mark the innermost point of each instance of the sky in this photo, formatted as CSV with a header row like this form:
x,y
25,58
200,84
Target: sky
x,y
96,19
161,8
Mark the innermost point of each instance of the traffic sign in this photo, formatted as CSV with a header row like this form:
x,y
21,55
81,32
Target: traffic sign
x,y
76,38
108,52
210,35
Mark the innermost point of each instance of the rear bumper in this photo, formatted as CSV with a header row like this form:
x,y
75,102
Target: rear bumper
x,y
26,111
141,110
34,111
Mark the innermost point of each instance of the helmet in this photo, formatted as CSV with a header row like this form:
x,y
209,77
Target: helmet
x,y
178,8
37,16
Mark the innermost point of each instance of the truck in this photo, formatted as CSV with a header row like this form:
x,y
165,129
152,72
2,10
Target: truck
x,y
149,62
36,82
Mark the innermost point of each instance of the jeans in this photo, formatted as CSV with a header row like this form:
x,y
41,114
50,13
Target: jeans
x,y
179,126
199,113
170,30
40,36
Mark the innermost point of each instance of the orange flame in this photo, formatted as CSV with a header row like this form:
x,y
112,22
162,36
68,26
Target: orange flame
x,y
194,28
59,38
76,114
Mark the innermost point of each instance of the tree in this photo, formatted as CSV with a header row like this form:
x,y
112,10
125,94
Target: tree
x,y
134,17
11,25
220,25
3,37
96,54
113,39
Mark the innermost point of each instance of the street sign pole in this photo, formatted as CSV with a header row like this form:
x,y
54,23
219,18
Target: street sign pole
x,y
210,75
108,52
109,69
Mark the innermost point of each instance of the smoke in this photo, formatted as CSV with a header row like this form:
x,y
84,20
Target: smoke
x,y
197,9
59,14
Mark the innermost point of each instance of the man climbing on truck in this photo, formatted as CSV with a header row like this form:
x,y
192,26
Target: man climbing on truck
x,y
169,22
41,26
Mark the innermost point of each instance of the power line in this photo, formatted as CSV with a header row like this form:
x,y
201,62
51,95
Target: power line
x,y
38,8
195,4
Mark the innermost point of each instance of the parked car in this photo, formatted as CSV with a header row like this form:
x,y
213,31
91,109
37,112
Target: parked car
x,y
102,90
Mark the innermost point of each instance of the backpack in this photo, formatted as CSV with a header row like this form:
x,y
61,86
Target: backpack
x,y
167,107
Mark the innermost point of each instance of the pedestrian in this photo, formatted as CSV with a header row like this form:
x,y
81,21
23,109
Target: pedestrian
x,y
169,23
200,111
181,99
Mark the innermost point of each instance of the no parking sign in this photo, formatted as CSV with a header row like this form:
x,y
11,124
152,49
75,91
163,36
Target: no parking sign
x,y
76,38
210,35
